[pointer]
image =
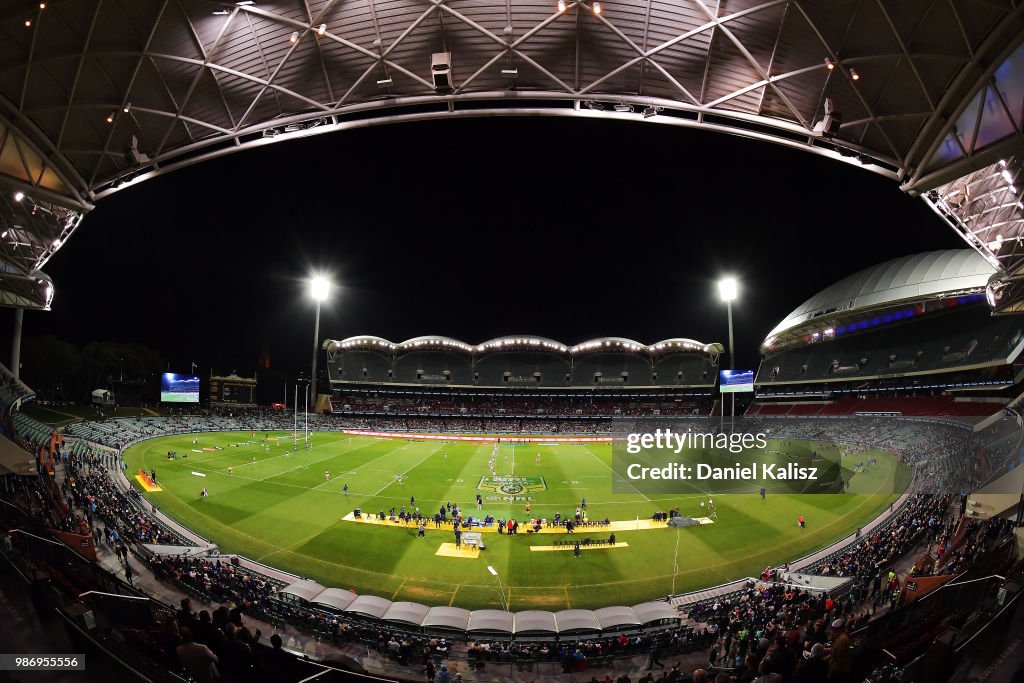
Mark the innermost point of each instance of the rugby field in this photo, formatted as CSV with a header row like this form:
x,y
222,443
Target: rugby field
x,y
277,506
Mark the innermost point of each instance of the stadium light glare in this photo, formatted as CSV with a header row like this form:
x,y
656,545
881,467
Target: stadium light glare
x,y
319,287
728,289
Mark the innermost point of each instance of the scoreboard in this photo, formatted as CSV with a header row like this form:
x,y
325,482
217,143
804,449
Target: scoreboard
x,y
232,390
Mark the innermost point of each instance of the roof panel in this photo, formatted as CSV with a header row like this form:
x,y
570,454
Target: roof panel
x,y
369,605
579,48
911,277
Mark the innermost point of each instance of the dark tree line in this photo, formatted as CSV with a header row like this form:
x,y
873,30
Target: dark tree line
x,y
60,371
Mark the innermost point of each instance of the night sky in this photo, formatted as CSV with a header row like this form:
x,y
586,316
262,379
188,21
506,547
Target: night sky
x,y
566,229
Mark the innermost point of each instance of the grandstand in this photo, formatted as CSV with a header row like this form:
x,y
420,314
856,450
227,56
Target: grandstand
x,y
522,361
914,327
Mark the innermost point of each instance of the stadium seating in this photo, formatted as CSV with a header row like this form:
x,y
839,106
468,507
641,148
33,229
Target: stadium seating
x,y
522,368
430,366
681,369
616,369
943,341
521,362
358,365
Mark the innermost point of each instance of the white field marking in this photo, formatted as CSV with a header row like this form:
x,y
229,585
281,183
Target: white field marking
x,y
335,455
675,563
297,467
268,478
246,451
421,461
587,449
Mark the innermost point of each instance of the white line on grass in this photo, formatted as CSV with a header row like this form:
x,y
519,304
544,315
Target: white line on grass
x,y
391,483
594,455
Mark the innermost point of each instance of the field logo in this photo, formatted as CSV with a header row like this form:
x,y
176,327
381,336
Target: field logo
x,y
512,486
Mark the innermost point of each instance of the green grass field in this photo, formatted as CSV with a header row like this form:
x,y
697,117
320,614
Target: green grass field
x,y
282,510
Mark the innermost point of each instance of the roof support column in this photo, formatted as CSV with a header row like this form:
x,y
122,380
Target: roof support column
x,y
19,315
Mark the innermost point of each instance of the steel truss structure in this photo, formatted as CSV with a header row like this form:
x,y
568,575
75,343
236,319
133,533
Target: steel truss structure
x,y
102,94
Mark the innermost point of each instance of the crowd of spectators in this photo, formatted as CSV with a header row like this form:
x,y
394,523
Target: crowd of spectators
x,y
439,404
87,487
218,646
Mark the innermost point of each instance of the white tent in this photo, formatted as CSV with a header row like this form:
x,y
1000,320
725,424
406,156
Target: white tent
x,y
406,613
616,618
577,621
655,612
302,591
448,618
334,599
369,606
490,621
536,622
102,397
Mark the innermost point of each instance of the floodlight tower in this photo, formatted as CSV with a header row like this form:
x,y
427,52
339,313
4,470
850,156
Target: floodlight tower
x,y
319,287
728,290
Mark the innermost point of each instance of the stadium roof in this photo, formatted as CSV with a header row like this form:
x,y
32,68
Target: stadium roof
x,y
654,612
521,342
95,96
576,620
369,605
14,459
334,598
534,621
303,589
616,617
454,618
913,278
406,613
491,620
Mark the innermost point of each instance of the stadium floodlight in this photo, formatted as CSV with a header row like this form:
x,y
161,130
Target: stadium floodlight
x,y
319,287
728,289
